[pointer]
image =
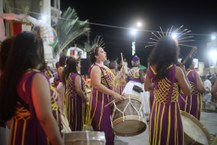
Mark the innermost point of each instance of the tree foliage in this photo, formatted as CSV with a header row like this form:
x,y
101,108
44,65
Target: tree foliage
x,y
69,28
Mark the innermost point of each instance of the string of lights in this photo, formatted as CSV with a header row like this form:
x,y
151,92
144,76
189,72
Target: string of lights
x,y
110,26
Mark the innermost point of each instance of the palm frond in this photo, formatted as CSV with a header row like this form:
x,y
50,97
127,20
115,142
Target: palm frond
x,y
69,28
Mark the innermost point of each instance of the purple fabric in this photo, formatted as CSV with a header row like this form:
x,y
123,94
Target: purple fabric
x,y
169,130
74,103
135,79
33,133
101,122
192,104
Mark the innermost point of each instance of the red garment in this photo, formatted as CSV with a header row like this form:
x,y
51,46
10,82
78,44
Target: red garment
x,y
17,26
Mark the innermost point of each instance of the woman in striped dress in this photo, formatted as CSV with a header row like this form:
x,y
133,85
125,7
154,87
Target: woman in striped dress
x,y
75,97
167,78
102,81
25,95
192,103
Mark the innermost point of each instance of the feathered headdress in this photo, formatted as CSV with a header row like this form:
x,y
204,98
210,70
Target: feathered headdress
x,y
98,42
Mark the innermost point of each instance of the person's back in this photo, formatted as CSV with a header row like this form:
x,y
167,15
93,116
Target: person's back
x,y
25,95
165,79
25,116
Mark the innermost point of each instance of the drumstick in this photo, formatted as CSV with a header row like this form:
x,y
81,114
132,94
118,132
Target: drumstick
x,y
189,55
122,59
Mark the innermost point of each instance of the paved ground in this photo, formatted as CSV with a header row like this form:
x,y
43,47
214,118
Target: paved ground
x,y
209,120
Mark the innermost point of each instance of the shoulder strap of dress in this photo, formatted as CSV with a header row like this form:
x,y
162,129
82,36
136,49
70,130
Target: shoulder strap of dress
x,y
103,75
29,81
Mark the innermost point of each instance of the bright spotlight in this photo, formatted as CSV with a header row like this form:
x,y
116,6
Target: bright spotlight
x,y
139,24
213,55
133,32
213,37
174,35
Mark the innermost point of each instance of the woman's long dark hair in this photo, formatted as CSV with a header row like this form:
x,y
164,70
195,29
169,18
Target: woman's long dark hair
x,y
71,66
26,53
92,53
163,55
4,51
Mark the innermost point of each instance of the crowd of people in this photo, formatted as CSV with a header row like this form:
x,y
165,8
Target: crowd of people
x,y
39,104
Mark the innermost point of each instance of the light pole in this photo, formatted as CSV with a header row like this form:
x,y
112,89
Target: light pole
x,y
134,32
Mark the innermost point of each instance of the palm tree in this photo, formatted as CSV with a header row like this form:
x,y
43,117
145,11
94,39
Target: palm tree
x,y
69,28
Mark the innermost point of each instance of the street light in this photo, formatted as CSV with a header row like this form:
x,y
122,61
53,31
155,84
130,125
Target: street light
x,y
134,32
213,37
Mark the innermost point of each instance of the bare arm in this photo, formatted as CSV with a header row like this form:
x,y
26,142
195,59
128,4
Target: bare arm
x,y
42,104
148,84
182,80
200,86
214,89
59,72
141,75
95,76
78,87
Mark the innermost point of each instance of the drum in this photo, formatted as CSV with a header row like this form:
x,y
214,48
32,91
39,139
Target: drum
x,y
194,131
84,138
127,118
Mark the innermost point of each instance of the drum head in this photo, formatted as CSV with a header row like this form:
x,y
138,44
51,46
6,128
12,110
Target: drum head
x,y
127,118
132,125
194,131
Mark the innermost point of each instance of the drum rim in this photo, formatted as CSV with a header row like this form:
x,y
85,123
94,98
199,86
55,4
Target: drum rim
x,y
85,133
89,140
127,118
195,120
133,97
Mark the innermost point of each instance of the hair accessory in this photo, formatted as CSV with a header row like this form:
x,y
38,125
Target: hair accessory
x,y
97,42
135,58
180,35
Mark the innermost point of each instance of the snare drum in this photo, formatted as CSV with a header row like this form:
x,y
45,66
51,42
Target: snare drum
x,y
84,138
127,118
194,131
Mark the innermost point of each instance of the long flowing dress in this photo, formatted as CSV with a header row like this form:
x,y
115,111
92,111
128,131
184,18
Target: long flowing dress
x,y
165,118
25,128
58,113
99,112
56,107
75,108
193,103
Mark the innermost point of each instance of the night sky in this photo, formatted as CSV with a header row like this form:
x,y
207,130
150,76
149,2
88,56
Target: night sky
x,y
198,16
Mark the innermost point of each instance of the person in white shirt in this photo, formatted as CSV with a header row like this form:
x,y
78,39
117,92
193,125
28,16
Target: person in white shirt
x,y
207,95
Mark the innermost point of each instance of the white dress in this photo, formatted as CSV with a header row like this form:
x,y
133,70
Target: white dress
x,y
144,96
